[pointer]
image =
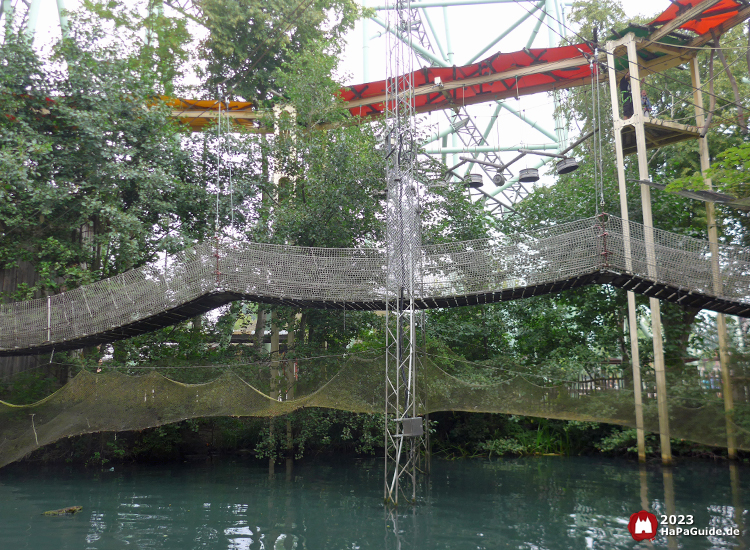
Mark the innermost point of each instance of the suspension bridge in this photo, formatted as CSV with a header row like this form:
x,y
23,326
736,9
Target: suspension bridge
x,y
598,250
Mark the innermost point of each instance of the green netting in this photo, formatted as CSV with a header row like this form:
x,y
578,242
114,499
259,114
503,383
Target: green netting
x,y
113,401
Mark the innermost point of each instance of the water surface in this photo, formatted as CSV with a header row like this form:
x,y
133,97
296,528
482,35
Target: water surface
x,y
546,503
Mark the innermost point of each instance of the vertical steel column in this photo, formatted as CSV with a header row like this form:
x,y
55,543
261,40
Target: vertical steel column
x,y
624,214
63,17
6,7
404,252
32,17
713,238
448,46
365,46
560,129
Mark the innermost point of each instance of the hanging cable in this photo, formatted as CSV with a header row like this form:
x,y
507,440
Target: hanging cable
x,y
594,148
599,131
631,62
231,187
218,168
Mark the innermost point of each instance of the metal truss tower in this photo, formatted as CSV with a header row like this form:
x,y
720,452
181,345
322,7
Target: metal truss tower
x,y
403,428
27,12
437,51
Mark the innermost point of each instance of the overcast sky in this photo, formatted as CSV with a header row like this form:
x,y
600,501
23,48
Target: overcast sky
x,y
471,29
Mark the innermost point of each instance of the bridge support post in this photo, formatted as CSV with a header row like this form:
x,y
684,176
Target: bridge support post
x,y
637,121
648,226
632,317
713,239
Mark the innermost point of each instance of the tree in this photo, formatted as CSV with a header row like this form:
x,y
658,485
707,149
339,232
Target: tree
x,y
249,40
91,161
162,50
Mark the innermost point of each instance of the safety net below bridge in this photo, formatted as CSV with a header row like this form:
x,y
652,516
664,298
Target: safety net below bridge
x,y
136,398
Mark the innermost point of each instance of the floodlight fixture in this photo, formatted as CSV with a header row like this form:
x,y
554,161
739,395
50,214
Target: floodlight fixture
x,y
474,181
566,166
528,175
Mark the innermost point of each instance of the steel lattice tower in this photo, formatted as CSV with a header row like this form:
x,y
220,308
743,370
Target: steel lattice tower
x,y
403,439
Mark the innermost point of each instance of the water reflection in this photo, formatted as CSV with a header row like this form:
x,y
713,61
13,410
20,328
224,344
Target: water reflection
x,y
542,503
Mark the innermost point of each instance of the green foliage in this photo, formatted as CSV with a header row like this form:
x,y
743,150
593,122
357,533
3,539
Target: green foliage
x,y
159,52
92,163
28,387
732,169
624,441
503,446
96,459
595,18
249,40
159,443
321,429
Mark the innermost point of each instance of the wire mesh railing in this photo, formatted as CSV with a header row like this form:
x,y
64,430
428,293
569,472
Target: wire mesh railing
x,y
592,250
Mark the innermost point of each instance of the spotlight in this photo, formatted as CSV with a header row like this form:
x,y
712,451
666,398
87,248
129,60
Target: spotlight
x,y
528,175
566,166
474,181
498,179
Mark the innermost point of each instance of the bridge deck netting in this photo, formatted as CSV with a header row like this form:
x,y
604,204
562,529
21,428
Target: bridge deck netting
x,y
470,272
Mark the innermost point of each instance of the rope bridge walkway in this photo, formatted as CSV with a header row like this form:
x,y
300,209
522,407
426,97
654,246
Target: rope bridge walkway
x,y
594,250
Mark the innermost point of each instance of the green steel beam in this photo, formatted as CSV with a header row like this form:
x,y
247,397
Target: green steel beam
x,y
486,132
447,36
33,17
451,3
63,17
554,37
505,33
458,149
434,34
535,32
365,47
451,129
417,48
534,125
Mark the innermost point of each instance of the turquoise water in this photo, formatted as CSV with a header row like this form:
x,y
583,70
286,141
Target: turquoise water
x,y
547,503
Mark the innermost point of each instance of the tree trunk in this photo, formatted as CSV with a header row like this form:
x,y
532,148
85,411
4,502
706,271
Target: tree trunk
x,y
712,100
260,329
733,82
